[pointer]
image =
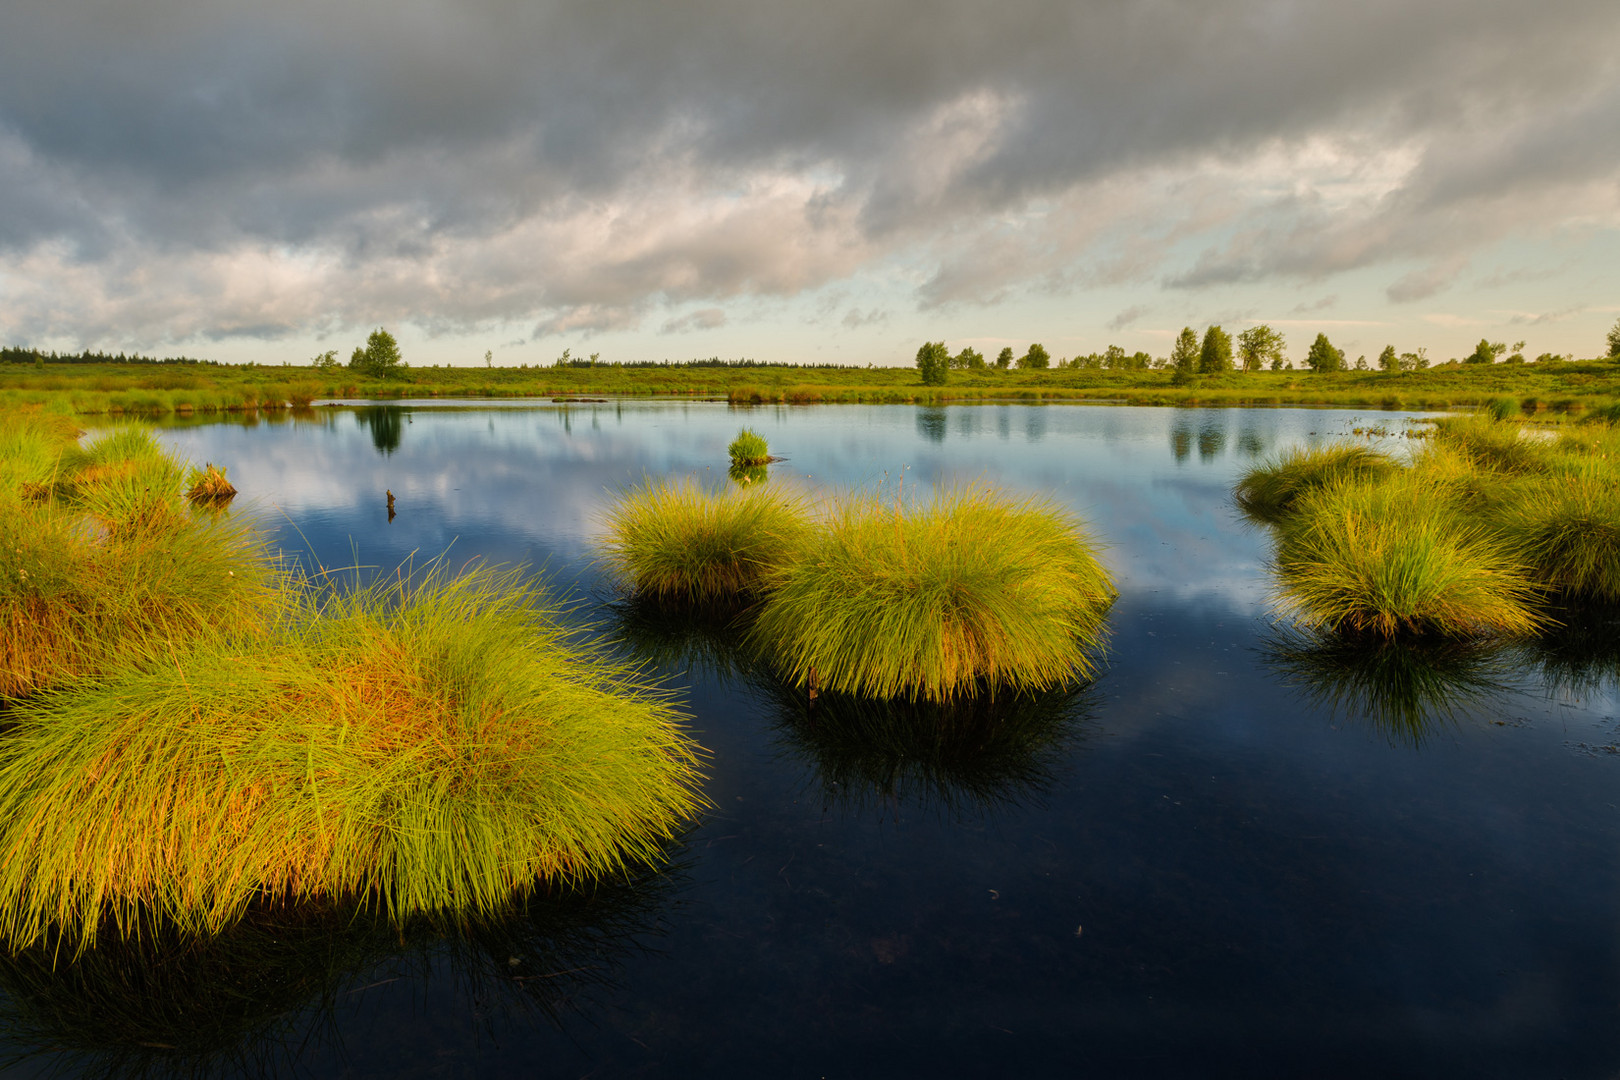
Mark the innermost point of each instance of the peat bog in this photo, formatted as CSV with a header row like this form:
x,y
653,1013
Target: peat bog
x,y
1242,848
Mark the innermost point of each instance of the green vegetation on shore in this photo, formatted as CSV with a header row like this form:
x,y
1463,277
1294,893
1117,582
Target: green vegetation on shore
x,y
1484,531
1552,388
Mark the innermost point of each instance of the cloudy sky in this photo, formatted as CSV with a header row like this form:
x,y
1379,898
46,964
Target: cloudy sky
x,y
832,181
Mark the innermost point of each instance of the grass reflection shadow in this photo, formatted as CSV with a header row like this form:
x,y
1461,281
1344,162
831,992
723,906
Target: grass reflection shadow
x,y
1403,687
1580,655
266,993
965,757
706,639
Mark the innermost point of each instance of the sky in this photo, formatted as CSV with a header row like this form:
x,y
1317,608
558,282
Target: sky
x,y
829,182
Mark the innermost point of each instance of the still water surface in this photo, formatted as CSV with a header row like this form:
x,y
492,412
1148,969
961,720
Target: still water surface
x,y
1203,865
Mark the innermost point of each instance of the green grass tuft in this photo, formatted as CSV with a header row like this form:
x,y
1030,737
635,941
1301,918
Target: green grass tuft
x,y
939,600
748,448
1568,531
1492,445
1399,556
1268,492
674,542
209,485
430,747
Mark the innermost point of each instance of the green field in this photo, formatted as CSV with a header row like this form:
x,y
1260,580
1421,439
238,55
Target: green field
x,y
162,389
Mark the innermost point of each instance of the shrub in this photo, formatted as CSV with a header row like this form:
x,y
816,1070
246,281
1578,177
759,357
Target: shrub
x,y
749,448
1398,556
672,541
433,746
1268,492
938,600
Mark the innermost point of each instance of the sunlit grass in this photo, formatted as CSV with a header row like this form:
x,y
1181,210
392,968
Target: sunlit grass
x,y
968,591
1269,491
100,555
1568,531
436,747
749,448
1398,556
209,485
675,542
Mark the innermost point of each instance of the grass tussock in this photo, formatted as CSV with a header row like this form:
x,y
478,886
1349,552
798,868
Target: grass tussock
x,y
430,747
1268,492
1400,557
1568,531
209,485
938,600
100,555
676,542
1487,530
748,449
1493,446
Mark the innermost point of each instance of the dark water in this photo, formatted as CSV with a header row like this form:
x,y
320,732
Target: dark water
x,y
1233,855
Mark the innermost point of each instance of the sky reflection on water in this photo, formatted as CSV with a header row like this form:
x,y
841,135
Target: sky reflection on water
x,y
1224,861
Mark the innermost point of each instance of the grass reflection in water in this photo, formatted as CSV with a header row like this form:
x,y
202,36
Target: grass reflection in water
x,y
270,990
967,756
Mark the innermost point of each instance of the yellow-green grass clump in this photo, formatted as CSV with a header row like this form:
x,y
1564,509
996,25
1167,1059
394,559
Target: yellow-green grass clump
x,y
967,591
1268,493
1568,530
429,747
674,542
748,448
209,485
100,555
1399,556
1494,446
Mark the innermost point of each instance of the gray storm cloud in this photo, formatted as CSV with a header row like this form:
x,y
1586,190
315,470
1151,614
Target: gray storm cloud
x,y
184,169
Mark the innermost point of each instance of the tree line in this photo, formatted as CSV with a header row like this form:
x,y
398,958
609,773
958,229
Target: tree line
x,y
1258,348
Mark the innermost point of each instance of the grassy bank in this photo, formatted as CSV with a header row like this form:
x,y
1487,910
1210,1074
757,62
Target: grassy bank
x,y
1545,390
1483,532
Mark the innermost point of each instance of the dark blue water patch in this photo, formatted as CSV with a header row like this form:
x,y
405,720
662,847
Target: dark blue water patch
x,y
1205,866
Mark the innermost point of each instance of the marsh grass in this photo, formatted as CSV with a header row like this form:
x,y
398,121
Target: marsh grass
x,y
748,448
100,555
673,542
209,485
429,745
1568,531
1405,688
968,591
1398,556
967,756
1268,492
1492,445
